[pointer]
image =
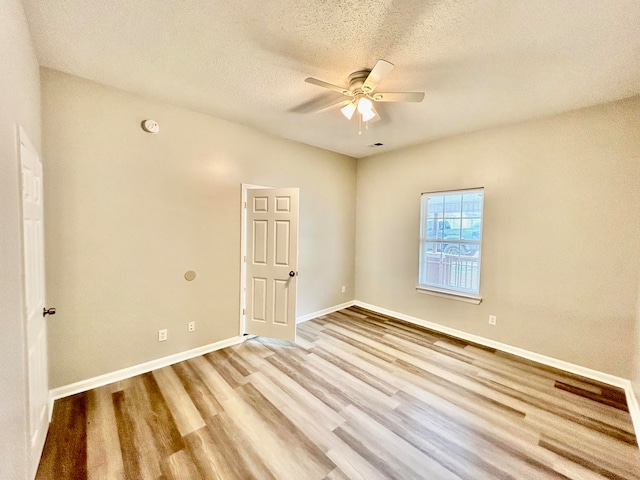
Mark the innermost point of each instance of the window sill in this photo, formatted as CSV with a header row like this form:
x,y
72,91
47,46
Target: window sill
x,y
460,297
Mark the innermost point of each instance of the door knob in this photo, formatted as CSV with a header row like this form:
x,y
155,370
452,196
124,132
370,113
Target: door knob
x,y
48,311
292,273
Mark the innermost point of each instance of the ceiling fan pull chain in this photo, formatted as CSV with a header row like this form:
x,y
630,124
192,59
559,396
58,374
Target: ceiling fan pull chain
x,y
359,124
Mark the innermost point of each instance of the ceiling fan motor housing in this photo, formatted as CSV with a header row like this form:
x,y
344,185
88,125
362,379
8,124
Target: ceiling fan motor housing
x,y
357,79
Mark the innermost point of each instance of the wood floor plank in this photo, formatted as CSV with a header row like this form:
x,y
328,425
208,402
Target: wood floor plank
x,y
284,461
601,466
336,474
103,447
447,432
65,452
566,413
105,472
184,412
140,410
514,449
355,371
217,385
616,401
481,397
126,435
395,457
362,346
318,386
354,389
590,441
303,397
298,443
556,398
353,464
179,466
197,390
158,416
216,454
311,426
361,396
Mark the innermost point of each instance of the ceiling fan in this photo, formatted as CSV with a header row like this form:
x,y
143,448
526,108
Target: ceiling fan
x,y
361,93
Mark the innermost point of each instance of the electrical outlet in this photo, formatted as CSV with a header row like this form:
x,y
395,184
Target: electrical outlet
x,y
162,335
344,288
492,319
191,326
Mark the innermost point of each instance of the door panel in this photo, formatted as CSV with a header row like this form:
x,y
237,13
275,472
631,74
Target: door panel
x,y
272,253
280,302
34,291
283,241
260,242
259,300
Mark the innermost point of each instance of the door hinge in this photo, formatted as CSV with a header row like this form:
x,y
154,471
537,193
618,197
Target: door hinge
x,y
243,311
245,259
245,205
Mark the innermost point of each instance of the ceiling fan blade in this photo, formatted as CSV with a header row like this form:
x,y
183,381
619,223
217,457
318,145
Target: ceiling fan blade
x,y
320,83
380,71
333,105
398,97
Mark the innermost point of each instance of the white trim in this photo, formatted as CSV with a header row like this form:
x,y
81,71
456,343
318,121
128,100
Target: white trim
x,y
50,406
634,408
107,378
326,311
520,352
450,295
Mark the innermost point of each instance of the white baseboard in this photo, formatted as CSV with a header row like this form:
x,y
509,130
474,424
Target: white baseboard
x,y
520,352
326,311
634,410
99,381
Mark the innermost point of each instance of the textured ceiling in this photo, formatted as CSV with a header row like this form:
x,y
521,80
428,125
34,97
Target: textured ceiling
x,y
480,63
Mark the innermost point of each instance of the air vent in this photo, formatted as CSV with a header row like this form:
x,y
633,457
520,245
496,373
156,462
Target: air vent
x,y
377,144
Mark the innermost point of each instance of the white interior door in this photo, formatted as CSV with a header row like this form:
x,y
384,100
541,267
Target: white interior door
x,y
34,290
271,262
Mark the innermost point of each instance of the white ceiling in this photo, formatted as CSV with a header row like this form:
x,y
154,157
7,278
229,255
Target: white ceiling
x,y
481,63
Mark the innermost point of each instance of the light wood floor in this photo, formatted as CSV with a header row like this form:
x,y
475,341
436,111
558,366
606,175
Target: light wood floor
x,y
360,396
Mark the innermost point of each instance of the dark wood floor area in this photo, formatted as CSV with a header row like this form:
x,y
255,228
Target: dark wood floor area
x,y
360,396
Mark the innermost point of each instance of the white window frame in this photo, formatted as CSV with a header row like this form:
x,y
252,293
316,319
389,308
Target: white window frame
x,y
457,264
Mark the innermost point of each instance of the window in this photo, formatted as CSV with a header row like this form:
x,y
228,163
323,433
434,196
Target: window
x,y
451,241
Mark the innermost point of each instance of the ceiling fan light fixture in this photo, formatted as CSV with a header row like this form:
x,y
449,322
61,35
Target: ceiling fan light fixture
x,y
365,106
368,115
348,110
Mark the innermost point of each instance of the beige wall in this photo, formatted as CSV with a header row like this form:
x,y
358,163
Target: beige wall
x,y
124,207
128,213
19,104
561,235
